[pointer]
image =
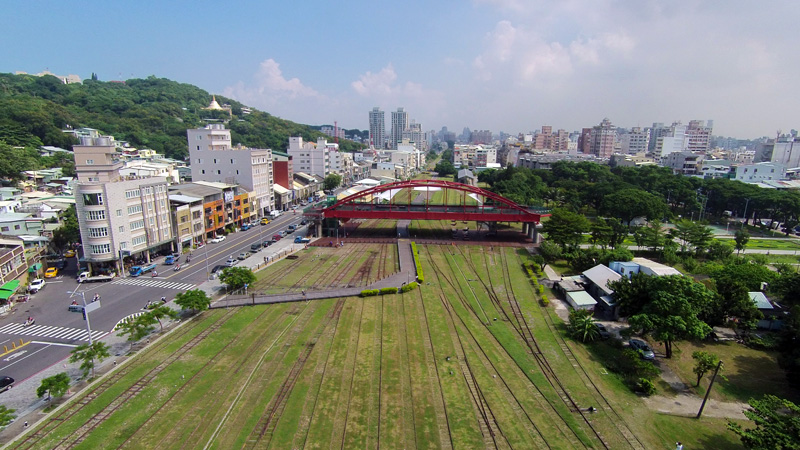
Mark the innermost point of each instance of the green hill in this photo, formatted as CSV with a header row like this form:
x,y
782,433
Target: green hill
x,y
149,113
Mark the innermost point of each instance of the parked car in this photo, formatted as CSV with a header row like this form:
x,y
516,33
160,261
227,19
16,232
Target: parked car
x,y
644,350
69,254
218,268
276,237
246,226
231,262
51,272
6,383
264,221
303,222
602,331
36,286
217,239
255,247
267,243
244,255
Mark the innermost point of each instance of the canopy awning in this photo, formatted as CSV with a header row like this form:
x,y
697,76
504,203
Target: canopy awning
x,y
8,289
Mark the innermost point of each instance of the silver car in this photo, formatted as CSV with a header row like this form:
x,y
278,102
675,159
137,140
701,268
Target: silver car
x,y
644,350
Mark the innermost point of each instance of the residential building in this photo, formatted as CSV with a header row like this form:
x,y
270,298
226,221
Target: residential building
x,y
698,135
622,160
19,224
118,215
213,159
282,169
399,125
684,163
781,150
481,137
547,140
333,132
603,139
187,217
637,140
760,172
585,141
309,157
716,168
225,206
377,128
13,264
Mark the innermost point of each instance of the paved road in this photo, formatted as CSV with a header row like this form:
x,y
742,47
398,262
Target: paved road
x,y
58,331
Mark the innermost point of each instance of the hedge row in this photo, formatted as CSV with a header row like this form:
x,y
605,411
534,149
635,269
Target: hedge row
x,y
370,292
381,291
388,290
420,277
545,301
409,287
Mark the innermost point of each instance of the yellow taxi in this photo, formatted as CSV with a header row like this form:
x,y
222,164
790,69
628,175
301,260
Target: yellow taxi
x,y
264,221
51,272
69,254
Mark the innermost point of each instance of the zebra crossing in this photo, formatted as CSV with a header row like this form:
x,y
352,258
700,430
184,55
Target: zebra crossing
x,y
52,332
154,283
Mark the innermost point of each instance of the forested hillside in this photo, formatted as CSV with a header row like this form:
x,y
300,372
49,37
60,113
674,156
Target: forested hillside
x,y
149,113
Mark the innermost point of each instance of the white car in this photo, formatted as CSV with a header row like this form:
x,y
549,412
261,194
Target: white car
x,y
217,239
231,261
36,285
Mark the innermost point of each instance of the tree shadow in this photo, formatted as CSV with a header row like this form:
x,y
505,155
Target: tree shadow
x,y
753,381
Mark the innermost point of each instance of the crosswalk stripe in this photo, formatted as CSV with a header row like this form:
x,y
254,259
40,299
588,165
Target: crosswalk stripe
x,y
155,283
52,332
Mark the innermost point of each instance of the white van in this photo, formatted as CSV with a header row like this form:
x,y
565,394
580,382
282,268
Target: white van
x,y
275,213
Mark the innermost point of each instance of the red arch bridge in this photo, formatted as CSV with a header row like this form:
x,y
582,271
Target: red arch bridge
x,y
458,202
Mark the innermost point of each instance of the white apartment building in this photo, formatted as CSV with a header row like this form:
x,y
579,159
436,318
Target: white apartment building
x,y
214,159
474,155
780,150
118,215
763,171
399,125
377,128
310,158
635,141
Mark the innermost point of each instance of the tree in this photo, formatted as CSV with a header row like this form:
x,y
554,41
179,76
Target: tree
x,y
777,424
163,312
704,362
627,204
137,328
550,252
581,325
601,234
57,386
69,231
700,237
565,228
6,415
237,277
332,181
86,354
444,167
719,250
667,307
195,299
742,238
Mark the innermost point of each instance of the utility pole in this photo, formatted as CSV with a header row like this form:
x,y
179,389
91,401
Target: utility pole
x,y
708,392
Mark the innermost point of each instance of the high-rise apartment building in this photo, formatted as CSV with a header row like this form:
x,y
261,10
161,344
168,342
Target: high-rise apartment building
x,y
415,134
603,138
547,140
399,124
119,216
635,141
781,150
377,128
310,158
698,135
214,159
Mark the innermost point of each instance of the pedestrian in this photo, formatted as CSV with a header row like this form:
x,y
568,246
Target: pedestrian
x,y
678,446
265,260
304,292
26,424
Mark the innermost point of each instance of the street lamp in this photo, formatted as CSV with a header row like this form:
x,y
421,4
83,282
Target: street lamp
x,y
85,311
208,272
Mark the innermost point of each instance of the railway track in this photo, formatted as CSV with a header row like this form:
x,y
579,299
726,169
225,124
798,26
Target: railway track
x,y
262,432
65,414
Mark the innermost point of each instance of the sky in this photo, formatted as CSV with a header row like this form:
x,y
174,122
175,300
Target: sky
x,y
501,65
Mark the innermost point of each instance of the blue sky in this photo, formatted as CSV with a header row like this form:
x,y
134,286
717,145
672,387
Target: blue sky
x,y
503,65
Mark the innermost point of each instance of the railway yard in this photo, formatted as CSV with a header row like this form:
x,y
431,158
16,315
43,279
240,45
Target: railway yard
x,y
469,360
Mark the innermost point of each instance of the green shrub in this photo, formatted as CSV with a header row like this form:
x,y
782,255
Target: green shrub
x,y
369,292
545,301
388,290
645,387
541,289
417,265
409,287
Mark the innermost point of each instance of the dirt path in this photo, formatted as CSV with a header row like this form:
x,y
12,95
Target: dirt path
x,y
688,404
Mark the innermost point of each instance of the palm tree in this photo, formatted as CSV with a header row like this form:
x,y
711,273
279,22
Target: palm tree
x,y
581,325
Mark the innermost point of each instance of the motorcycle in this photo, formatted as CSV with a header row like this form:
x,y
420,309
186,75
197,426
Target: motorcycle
x,y
29,322
177,267
155,274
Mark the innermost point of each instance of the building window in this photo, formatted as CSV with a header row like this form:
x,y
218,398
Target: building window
x,y
122,228
237,171
139,240
95,215
89,162
98,232
136,225
100,249
123,245
4,229
199,161
16,227
203,171
135,209
215,160
231,160
119,213
219,172
133,193
92,199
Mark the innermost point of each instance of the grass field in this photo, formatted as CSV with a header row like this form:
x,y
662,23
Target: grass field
x,y
469,360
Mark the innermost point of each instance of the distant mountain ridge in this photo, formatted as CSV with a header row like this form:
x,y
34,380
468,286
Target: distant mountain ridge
x,y
148,113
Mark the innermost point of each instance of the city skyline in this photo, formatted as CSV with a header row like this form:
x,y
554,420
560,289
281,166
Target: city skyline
x,y
502,65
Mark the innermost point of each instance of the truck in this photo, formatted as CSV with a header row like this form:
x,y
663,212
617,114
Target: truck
x,y
171,259
301,240
136,271
86,277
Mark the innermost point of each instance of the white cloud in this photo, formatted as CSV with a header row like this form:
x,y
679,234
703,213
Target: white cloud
x,y
269,87
380,83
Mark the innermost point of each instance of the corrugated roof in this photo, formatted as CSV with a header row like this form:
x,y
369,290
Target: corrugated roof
x,y
601,275
581,298
180,198
760,300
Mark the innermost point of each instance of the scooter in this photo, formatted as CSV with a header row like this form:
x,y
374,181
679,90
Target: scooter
x,y
177,267
29,322
155,274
